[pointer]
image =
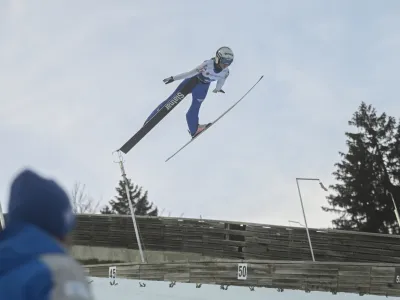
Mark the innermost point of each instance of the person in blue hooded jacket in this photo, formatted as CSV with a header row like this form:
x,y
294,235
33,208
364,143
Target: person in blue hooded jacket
x,y
34,263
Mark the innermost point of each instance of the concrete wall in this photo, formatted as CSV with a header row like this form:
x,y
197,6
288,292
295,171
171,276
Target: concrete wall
x,y
129,255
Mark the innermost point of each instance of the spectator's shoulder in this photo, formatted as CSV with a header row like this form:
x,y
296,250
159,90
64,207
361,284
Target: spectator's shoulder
x,y
67,277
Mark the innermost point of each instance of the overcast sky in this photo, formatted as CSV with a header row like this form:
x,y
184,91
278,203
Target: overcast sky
x,y
78,78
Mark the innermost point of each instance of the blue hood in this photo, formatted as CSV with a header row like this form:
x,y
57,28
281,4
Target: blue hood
x,y
21,243
41,202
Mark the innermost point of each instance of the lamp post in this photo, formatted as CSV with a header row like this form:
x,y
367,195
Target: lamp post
x,y
302,207
295,222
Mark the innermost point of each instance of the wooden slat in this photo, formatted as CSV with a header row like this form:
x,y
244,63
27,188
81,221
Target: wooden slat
x,y
235,239
355,278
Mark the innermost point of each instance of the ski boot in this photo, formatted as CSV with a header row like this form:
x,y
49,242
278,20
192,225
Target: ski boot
x,y
200,129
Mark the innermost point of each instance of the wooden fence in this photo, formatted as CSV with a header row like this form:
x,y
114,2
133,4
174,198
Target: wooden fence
x,y
231,240
276,256
359,278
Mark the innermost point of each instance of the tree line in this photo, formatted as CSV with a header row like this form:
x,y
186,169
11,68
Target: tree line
x,y
84,203
364,197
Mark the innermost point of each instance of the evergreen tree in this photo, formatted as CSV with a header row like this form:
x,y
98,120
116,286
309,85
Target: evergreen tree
x,y
120,205
106,210
368,173
144,208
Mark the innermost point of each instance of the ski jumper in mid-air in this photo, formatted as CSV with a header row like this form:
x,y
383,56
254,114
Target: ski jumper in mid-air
x,y
214,69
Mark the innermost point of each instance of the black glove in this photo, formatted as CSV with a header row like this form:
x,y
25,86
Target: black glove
x,y
168,80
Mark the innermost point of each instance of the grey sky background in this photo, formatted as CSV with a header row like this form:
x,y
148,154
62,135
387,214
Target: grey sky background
x,y
78,78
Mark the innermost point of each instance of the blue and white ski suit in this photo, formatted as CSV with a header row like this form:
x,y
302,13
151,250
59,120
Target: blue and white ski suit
x,y
206,73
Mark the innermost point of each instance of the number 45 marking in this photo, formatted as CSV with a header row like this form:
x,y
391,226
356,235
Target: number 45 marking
x,y
242,271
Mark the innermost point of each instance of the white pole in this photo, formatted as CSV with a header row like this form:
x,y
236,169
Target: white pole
x,y
396,212
2,221
302,207
305,221
121,164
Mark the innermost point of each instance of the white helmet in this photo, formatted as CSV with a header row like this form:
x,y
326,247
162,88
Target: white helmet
x,y
224,56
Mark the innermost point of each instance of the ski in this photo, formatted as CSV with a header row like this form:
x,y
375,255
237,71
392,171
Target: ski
x,y
175,99
215,121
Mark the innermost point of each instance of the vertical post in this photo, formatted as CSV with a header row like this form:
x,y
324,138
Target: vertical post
x,y
302,207
121,164
305,220
2,221
396,212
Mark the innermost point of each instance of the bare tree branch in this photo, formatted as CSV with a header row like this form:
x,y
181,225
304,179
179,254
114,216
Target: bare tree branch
x,y
82,203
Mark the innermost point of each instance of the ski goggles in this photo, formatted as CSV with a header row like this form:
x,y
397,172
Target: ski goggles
x,y
225,61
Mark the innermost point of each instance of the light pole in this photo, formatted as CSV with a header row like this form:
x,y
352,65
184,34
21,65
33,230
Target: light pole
x,y
295,222
396,212
302,207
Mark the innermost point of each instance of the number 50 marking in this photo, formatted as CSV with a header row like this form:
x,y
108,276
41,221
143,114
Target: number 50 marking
x,y
242,271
